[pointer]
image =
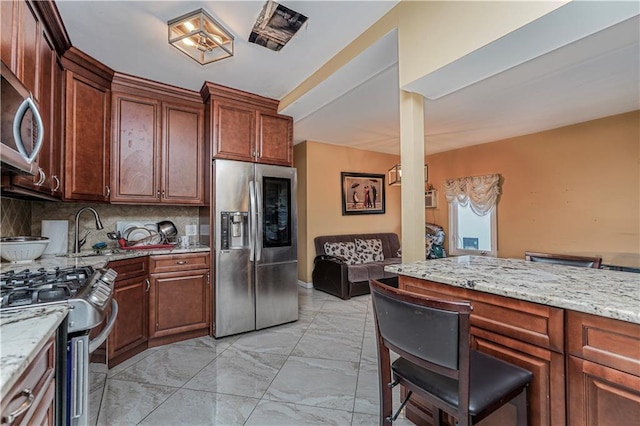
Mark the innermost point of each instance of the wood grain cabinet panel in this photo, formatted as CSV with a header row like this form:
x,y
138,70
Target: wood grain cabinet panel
x,y
182,154
136,149
158,148
88,117
7,47
275,139
234,135
28,50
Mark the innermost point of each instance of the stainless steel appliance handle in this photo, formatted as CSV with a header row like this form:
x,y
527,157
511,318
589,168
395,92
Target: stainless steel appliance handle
x,y
258,224
78,378
17,136
252,219
100,338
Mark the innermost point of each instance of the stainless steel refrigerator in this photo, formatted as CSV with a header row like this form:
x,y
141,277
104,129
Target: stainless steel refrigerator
x,y
254,217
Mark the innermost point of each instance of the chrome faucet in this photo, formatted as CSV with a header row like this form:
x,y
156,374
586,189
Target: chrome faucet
x,y
78,243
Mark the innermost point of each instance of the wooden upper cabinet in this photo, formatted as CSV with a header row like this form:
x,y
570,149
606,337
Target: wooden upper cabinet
x,y
6,33
275,139
182,154
87,128
246,127
28,49
136,149
234,131
158,147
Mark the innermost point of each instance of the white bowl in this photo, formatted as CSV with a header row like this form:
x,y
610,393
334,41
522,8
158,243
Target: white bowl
x,y
22,249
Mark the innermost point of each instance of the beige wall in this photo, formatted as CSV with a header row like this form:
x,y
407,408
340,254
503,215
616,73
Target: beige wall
x,y
573,190
321,165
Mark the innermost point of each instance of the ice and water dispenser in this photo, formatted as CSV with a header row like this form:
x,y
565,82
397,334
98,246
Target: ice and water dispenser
x,y
235,230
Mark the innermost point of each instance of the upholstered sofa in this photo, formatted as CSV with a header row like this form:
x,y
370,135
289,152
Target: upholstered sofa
x,y
343,273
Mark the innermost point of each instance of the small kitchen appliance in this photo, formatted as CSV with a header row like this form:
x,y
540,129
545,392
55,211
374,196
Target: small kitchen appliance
x,y
88,293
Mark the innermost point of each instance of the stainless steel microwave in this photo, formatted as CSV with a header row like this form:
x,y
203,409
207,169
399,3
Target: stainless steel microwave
x,y
21,126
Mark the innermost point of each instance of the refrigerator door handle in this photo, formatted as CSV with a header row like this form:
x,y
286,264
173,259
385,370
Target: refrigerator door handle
x,y
259,221
252,219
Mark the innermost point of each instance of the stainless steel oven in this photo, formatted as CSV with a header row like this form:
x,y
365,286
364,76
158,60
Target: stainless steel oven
x,y
89,294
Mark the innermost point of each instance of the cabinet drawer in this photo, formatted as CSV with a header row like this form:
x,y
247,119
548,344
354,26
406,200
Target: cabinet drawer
x,y
529,322
129,268
35,379
178,262
606,341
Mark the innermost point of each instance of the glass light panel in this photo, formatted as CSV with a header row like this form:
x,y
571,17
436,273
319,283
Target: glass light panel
x,y
200,37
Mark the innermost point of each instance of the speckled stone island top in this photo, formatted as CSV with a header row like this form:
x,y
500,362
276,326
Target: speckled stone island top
x,y
599,292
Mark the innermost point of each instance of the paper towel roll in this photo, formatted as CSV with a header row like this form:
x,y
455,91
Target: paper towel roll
x,y
58,233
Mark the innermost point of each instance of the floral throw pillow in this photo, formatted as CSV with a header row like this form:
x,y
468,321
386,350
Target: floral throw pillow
x,y
370,249
347,251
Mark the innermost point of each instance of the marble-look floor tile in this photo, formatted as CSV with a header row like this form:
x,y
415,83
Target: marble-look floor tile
x,y
208,342
339,306
287,414
369,348
337,324
131,361
317,382
319,345
96,388
269,341
127,403
189,407
361,419
367,391
169,365
238,372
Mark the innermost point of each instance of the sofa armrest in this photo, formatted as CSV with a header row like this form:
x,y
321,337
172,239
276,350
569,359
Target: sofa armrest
x,y
330,274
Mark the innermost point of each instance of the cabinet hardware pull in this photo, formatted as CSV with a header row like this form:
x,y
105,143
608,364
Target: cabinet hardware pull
x,y
11,418
55,178
158,193
181,262
163,193
43,177
148,283
108,191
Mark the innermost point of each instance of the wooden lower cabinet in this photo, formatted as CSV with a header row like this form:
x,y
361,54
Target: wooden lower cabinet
x,y
179,303
37,383
130,333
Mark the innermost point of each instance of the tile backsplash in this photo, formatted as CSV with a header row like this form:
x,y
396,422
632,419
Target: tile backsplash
x,y
109,214
15,217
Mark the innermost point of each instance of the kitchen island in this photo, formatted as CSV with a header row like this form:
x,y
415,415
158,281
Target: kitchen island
x,y
576,329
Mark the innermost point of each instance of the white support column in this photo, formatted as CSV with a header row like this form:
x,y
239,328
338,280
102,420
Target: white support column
x,y
412,160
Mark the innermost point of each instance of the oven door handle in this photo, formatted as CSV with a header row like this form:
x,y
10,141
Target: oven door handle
x,y
100,338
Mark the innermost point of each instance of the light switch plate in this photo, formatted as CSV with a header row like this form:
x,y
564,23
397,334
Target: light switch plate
x,y
191,230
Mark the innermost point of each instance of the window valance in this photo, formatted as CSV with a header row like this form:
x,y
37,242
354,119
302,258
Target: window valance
x,y
481,192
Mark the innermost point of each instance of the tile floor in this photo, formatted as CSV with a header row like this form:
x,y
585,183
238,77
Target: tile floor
x,y
320,370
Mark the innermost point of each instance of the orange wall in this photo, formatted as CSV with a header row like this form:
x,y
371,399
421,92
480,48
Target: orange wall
x,y
319,166
573,190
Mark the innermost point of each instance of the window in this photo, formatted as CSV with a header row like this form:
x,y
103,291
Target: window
x,y
472,214
470,233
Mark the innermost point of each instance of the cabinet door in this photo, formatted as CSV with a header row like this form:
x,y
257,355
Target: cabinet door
x,y
28,49
182,154
7,46
130,329
545,395
234,131
599,395
57,129
88,116
136,149
275,139
179,302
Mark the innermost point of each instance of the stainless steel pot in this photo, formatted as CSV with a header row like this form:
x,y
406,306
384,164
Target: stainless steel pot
x,y
167,229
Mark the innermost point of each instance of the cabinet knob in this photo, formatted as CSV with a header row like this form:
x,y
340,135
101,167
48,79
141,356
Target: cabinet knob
x,y
181,262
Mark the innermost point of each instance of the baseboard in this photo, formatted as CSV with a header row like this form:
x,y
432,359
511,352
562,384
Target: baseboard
x,y
304,284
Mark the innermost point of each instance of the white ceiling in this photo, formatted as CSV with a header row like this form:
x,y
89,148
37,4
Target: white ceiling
x,y
565,77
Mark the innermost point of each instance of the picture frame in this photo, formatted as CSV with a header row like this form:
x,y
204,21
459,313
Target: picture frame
x,y
362,193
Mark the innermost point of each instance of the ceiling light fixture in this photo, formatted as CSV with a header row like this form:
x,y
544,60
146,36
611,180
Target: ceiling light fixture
x,y
200,37
395,174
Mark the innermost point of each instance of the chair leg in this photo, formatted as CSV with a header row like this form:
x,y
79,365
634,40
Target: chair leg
x,y
437,416
520,402
384,372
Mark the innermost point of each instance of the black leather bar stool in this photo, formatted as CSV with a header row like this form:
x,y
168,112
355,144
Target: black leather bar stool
x,y
432,338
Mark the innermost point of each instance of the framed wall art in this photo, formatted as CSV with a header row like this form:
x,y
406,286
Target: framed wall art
x,y
362,193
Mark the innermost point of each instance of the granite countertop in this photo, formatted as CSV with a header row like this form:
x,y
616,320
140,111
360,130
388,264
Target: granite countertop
x,y
23,334
610,294
49,262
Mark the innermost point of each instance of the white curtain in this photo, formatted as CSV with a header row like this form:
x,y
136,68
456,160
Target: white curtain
x,y
479,191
